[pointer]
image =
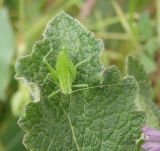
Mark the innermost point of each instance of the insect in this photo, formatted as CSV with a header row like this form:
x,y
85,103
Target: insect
x,y
64,73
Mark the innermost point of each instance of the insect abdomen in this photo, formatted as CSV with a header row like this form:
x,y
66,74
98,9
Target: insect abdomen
x,y
64,74
65,83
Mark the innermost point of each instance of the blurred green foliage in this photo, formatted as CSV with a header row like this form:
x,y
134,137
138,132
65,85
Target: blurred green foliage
x,y
7,47
127,27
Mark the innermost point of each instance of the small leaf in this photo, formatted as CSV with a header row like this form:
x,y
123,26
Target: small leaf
x,y
148,62
146,29
144,102
136,69
151,47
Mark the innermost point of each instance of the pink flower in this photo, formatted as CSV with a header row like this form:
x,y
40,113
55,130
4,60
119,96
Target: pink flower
x,y
152,139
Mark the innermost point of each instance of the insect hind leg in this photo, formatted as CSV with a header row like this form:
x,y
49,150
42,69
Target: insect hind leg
x,y
80,85
54,93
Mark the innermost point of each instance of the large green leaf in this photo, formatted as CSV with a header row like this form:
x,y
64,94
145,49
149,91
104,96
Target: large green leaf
x,y
7,46
98,118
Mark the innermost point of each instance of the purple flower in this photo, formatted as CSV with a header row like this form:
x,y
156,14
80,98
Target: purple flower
x,y
152,139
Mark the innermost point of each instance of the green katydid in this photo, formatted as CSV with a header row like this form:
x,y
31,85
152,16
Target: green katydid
x,y
64,73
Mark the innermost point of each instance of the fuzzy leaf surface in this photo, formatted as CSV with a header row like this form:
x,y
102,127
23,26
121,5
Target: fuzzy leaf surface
x,y
100,118
63,31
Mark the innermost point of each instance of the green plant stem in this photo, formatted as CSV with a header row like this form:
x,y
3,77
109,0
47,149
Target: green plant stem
x,y
1,3
110,21
126,24
114,36
21,43
158,18
132,8
122,17
22,12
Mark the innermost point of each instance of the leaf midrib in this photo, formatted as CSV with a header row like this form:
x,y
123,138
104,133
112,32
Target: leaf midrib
x,y
71,126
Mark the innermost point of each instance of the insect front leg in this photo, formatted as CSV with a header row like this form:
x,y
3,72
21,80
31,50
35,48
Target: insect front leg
x,y
54,76
52,71
47,79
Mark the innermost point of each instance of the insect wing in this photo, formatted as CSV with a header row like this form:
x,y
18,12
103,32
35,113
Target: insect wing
x,y
64,75
72,69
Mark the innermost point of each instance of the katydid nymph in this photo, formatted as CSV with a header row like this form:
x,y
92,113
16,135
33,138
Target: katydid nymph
x,y
64,73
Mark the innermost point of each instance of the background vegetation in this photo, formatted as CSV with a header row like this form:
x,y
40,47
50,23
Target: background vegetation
x,y
126,26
